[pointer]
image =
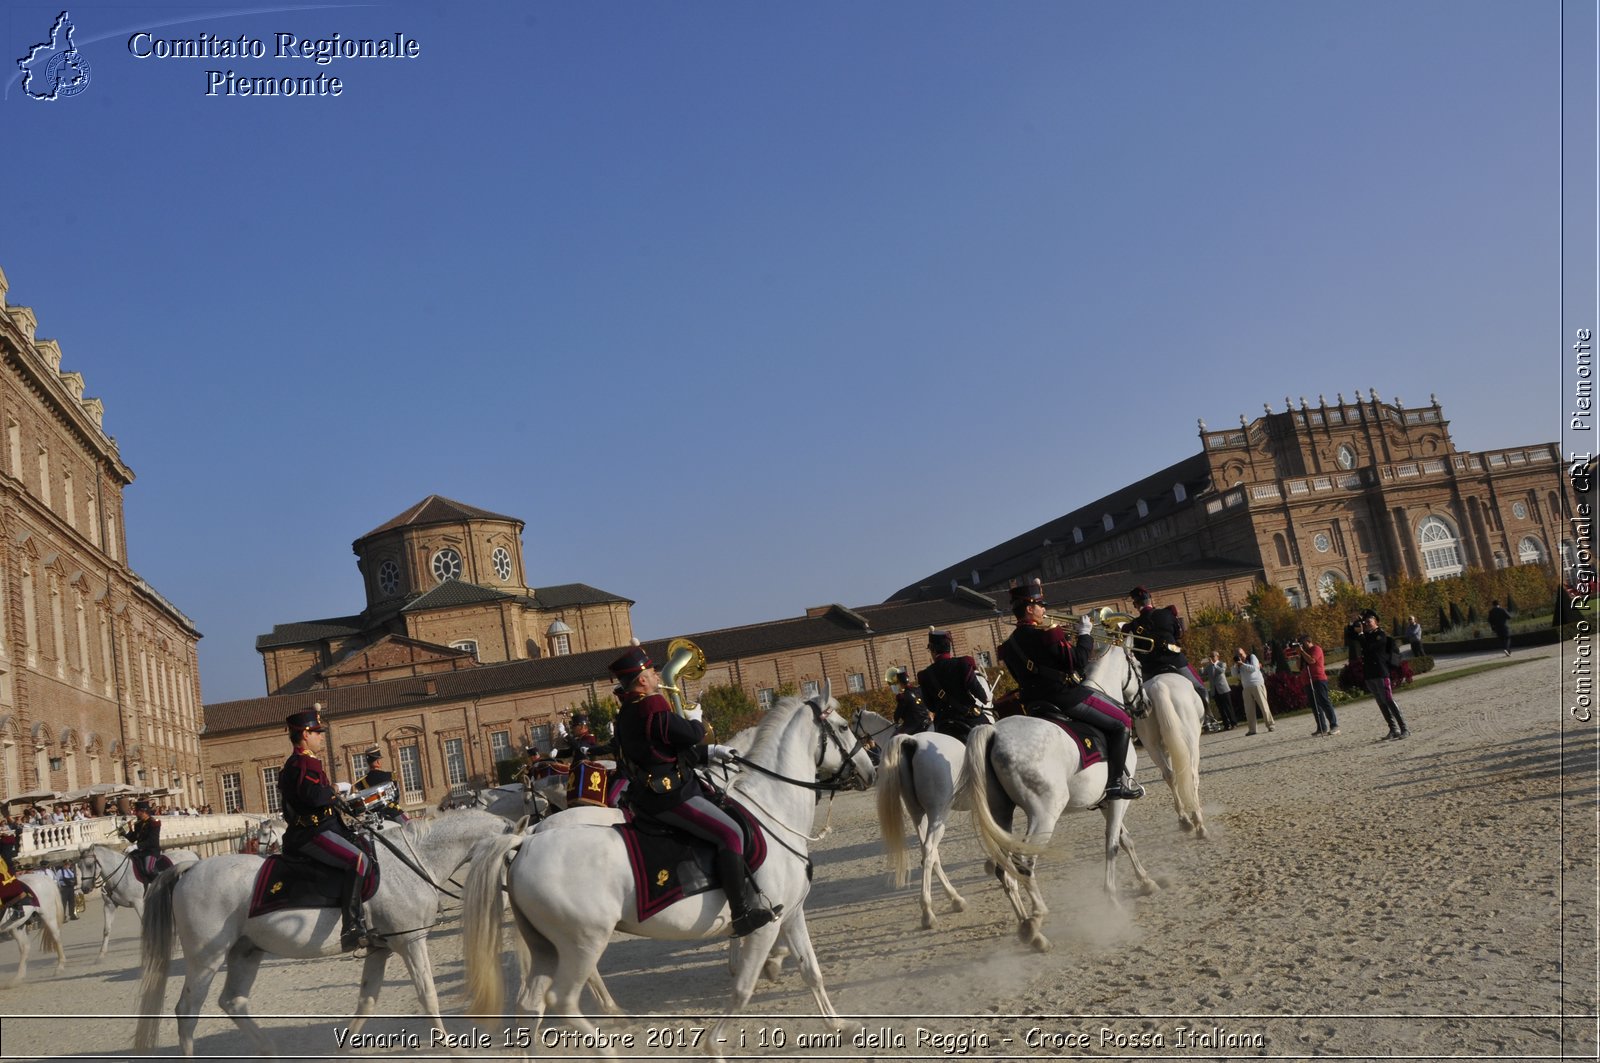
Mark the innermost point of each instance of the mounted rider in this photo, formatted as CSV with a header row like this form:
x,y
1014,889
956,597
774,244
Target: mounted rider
x,y
659,750
377,776
316,830
1048,666
911,715
1164,628
578,738
145,834
11,887
954,688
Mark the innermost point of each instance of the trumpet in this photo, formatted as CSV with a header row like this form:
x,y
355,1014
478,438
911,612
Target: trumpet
x,y
685,661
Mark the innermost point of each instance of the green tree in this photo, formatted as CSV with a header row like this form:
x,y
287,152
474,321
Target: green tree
x,y
602,711
728,709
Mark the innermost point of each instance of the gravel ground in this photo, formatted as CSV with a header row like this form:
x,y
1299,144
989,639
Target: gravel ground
x,y
1359,899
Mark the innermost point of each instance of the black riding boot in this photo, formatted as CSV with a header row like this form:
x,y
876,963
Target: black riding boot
x,y
743,901
1120,786
353,924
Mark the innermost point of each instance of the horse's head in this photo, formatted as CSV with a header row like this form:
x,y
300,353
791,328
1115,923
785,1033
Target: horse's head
x,y
843,760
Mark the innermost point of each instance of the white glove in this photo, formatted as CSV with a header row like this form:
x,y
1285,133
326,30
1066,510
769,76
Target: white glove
x,y
720,754
695,714
1086,624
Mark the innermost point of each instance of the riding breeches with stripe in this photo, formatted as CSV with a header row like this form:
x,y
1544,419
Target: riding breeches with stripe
x,y
698,816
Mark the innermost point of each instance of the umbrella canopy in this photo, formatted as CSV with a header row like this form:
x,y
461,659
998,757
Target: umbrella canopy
x,y
32,797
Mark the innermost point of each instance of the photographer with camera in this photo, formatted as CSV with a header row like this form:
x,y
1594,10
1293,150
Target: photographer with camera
x,y
1253,687
1316,671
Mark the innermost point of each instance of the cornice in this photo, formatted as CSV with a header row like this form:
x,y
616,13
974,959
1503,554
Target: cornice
x,y
38,365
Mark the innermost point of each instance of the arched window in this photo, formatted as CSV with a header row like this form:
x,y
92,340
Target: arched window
x,y
1144,510
1282,547
1293,594
1441,551
1530,551
1107,522
1328,585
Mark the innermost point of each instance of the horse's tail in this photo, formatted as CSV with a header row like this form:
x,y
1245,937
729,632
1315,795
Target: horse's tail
x,y
975,785
1180,738
483,909
891,800
155,955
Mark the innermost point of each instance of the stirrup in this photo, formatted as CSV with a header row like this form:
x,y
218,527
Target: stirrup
x,y
1124,790
754,919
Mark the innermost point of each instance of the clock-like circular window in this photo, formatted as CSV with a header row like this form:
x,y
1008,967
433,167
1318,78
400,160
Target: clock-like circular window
x,y
446,565
1519,511
389,577
1322,543
1347,456
501,560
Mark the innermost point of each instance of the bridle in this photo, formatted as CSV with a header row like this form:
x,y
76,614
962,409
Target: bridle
x,y
847,772
106,880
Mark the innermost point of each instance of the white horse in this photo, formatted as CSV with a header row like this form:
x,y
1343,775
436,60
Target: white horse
x,y
1170,733
15,921
565,930
208,905
1030,763
112,871
921,775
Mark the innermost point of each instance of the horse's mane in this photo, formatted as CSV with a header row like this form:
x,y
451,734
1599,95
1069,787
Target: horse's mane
x,y
769,732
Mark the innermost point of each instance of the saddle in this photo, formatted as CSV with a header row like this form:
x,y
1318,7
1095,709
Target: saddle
x,y
294,881
669,866
18,898
158,865
1092,742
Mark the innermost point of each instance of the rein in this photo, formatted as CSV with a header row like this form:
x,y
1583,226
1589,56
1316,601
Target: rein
x,y
412,864
107,880
833,783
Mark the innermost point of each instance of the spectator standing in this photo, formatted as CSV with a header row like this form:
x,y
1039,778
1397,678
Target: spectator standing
x,y
1253,688
1379,655
1413,635
1500,621
67,882
1215,673
1313,661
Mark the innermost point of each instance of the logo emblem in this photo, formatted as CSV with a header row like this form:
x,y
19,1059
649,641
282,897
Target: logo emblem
x,y
661,878
55,69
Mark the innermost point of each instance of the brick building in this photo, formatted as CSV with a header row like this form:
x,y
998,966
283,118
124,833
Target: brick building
x,y
1360,492
99,680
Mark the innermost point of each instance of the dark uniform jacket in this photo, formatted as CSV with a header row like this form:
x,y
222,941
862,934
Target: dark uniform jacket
x,y
1163,628
952,689
379,777
583,744
1375,649
145,836
653,742
308,799
911,716
1046,663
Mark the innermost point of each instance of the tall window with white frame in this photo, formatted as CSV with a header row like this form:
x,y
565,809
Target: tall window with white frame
x,y
500,746
269,779
410,777
455,762
1441,551
232,792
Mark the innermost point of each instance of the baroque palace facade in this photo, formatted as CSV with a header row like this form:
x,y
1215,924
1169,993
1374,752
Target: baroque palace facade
x,y
456,663
99,679
1362,492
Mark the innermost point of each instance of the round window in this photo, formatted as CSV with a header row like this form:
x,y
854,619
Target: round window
x,y
1322,543
501,559
446,565
1347,456
1519,510
389,577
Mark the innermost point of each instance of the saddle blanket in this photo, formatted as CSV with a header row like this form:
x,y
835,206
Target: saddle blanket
x,y
143,877
590,784
18,897
296,882
669,866
1091,743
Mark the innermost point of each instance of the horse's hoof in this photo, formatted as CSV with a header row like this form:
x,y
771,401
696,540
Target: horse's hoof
x,y
1040,943
958,904
928,921
1184,824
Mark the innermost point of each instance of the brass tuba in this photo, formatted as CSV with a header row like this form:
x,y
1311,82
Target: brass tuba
x,y
685,660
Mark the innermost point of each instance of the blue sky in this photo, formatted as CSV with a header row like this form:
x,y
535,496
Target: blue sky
x,y
747,307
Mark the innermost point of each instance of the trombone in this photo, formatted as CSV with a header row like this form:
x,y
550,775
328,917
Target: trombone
x,y
1109,620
